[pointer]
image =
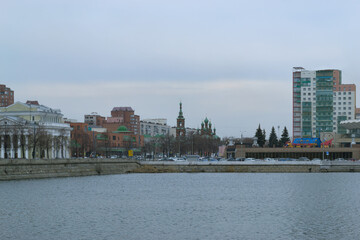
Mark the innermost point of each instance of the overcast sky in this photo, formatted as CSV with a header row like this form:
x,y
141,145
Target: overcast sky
x,y
230,61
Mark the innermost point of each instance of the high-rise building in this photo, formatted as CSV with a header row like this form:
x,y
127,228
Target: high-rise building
x,y
321,102
6,96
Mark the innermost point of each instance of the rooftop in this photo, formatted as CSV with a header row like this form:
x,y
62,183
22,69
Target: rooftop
x,y
125,109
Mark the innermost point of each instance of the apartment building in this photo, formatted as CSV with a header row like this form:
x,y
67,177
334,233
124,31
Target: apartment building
x,y
320,102
153,127
6,96
94,120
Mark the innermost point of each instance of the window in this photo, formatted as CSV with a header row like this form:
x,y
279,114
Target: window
x,y
349,113
304,94
344,103
349,98
349,103
344,98
334,103
339,93
309,93
304,99
349,108
114,138
339,103
344,108
304,89
339,98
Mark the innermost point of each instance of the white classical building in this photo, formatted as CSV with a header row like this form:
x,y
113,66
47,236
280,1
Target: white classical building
x,y
30,130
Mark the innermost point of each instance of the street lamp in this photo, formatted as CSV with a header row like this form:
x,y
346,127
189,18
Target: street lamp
x,y
241,137
321,145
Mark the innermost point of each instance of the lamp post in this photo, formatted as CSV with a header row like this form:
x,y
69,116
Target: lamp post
x,y
321,146
241,137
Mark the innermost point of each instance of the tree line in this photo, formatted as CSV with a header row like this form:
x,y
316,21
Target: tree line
x,y
273,141
167,145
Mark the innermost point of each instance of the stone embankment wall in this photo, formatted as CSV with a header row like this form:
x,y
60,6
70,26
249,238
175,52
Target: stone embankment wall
x,y
219,167
17,169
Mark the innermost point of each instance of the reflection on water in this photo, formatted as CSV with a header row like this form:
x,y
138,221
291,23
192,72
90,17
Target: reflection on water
x,y
183,206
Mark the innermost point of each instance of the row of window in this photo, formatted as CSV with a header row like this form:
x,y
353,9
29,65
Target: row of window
x,y
344,98
344,103
344,93
339,93
314,99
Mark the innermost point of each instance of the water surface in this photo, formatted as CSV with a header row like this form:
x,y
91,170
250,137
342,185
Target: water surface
x,y
183,206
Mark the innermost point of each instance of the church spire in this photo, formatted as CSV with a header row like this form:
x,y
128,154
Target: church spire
x,y
180,112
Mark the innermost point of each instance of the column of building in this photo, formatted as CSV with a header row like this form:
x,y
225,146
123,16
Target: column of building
x,y
26,146
11,155
2,147
19,147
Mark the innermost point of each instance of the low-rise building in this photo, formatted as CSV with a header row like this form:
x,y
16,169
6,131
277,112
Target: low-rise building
x,y
31,130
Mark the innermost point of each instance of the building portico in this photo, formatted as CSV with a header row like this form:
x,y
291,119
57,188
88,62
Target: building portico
x,y
33,131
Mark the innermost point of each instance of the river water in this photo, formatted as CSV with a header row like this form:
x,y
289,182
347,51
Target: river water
x,y
183,206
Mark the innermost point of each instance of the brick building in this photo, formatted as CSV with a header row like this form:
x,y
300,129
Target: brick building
x,y
81,139
125,116
94,120
6,96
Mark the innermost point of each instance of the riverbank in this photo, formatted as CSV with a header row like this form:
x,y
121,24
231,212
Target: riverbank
x,y
17,169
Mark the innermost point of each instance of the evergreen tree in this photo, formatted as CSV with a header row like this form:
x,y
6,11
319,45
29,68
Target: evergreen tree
x,y
260,136
273,141
284,137
264,136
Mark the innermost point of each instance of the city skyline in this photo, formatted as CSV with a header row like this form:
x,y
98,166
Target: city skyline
x,y
231,62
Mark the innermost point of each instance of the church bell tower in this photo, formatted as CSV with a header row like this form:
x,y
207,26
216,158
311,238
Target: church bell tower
x,y
180,126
